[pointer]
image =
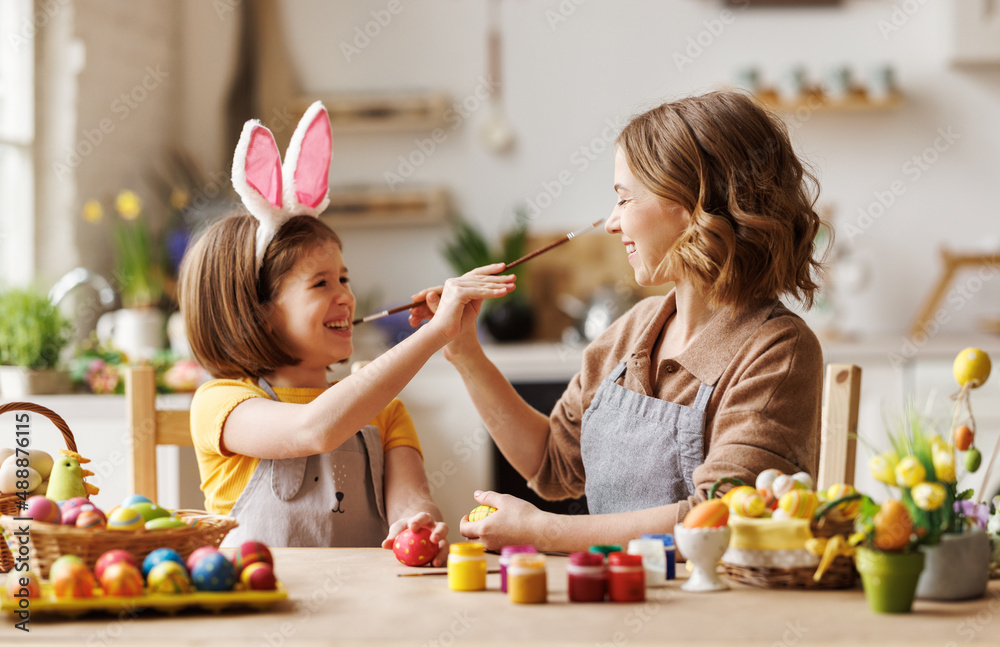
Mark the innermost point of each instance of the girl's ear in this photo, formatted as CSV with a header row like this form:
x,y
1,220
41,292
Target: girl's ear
x,y
307,164
258,181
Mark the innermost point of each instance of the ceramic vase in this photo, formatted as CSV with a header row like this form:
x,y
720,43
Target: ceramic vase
x,y
18,382
138,332
703,548
889,579
958,568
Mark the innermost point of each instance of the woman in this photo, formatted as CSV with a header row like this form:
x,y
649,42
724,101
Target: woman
x,y
716,379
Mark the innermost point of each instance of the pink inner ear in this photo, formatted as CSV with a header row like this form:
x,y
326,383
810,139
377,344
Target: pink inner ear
x,y
263,166
312,173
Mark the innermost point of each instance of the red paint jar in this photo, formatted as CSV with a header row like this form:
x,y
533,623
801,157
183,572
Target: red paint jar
x,y
588,579
626,578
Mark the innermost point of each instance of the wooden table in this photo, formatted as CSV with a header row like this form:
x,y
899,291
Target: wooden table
x,y
353,595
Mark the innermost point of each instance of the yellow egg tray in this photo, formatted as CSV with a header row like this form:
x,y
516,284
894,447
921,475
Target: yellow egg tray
x,y
216,602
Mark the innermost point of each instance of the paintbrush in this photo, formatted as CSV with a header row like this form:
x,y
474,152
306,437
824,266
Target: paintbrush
x,y
527,257
489,572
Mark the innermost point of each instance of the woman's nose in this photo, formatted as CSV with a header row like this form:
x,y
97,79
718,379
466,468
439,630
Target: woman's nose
x,y
611,224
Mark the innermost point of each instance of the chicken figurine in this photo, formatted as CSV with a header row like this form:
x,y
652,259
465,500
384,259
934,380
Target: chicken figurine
x,y
66,480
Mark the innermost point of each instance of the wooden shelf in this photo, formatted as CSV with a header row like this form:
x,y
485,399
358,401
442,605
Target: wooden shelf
x,y
814,100
375,206
382,112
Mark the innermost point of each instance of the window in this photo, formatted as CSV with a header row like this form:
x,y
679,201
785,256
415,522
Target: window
x,y
17,130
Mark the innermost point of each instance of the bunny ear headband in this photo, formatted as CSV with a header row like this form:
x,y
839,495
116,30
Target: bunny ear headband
x,y
274,192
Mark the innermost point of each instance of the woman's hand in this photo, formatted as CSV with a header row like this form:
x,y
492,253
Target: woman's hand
x,y
439,534
453,308
515,522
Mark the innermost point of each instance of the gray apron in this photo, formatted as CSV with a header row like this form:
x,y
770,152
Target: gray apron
x,y
640,452
331,499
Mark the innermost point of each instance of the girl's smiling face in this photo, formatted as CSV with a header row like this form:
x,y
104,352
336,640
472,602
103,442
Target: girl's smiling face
x,y
314,307
648,225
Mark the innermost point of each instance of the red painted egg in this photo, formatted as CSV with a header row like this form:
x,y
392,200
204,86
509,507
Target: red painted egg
x,y
252,552
115,556
259,576
415,548
122,579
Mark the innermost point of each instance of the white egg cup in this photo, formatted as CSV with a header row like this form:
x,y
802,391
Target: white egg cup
x,y
703,548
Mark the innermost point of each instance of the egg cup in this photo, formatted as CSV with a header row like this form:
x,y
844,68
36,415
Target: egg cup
x,y
703,548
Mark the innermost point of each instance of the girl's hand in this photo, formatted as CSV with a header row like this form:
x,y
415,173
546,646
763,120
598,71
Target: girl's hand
x,y
439,534
515,522
454,307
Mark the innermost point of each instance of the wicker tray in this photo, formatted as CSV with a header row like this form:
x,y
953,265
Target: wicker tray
x,y
50,541
9,502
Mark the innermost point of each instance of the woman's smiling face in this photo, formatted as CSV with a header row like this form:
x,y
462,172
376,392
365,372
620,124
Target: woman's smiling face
x,y
648,225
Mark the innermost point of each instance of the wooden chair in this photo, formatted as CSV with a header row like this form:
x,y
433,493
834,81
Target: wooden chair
x,y
150,427
839,421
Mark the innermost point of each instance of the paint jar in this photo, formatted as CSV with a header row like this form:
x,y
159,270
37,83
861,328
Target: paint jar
x,y
587,577
505,555
669,551
605,549
467,566
654,561
626,578
526,580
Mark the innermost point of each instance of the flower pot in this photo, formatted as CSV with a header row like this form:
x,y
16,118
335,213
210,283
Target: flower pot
x,y
19,382
137,332
889,579
958,568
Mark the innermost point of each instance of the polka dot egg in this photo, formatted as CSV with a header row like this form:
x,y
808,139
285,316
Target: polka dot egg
x,y
160,555
214,573
197,554
169,578
125,519
414,548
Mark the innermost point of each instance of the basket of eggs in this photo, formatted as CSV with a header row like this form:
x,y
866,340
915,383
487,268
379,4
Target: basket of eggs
x,y
54,495
784,533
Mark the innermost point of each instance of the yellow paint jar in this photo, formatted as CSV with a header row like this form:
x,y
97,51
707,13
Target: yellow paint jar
x,y
526,580
467,566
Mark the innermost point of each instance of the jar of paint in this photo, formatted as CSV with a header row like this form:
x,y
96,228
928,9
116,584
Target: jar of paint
x,y
467,566
526,579
587,577
626,578
505,555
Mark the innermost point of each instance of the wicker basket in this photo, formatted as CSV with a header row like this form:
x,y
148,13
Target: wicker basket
x,y
49,541
9,502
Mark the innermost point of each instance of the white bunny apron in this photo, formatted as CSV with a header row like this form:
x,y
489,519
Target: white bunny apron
x,y
640,452
331,499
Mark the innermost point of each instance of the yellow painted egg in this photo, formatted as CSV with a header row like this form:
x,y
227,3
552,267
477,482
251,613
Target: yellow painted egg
x,y
168,578
745,501
481,512
800,504
707,514
971,367
846,510
126,519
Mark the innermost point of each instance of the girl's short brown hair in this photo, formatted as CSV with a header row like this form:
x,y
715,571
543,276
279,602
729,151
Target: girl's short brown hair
x,y
225,301
731,165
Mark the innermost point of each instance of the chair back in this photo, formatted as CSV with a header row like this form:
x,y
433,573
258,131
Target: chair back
x,y
150,427
839,425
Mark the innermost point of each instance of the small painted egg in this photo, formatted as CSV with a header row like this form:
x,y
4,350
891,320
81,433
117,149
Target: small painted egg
x,y
805,480
61,563
893,526
481,512
125,519
132,499
122,579
214,573
745,501
251,552
784,483
259,576
197,554
160,555
23,585
41,509
846,510
114,556
165,523
73,581
415,548
90,519
149,511
707,514
72,513
766,478
75,502
800,504
168,578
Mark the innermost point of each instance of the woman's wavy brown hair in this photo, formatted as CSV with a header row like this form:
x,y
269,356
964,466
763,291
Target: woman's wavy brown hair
x,y
730,164
225,301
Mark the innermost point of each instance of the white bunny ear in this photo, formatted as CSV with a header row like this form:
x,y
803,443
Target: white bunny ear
x,y
307,164
257,179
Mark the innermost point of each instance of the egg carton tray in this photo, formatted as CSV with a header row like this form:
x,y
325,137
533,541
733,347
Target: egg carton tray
x,y
48,604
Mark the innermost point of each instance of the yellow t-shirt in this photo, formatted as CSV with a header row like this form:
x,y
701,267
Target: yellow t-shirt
x,y
224,475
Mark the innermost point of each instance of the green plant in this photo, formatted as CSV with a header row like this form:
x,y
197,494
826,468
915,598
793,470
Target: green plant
x,y
470,249
32,330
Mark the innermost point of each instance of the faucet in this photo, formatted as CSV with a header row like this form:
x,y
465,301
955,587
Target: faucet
x,y
79,276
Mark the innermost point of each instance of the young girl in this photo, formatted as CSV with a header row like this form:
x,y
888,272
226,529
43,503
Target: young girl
x,y
268,307
716,379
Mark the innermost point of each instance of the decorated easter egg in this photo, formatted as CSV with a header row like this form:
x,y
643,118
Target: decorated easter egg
x,y
197,554
114,556
132,499
92,518
149,511
707,514
893,526
766,478
415,548
800,504
973,459
73,581
251,552
40,508
23,586
61,563
74,502
481,512
259,576
168,577
69,514
846,510
805,480
964,437
122,579
745,501
971,367
125,519
160,555
785,483
165,523
214,573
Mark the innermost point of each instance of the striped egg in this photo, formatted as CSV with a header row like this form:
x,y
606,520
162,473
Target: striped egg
x,y
844,511
168,578
125,519
745,501
481,512
707,514
92,518
800,504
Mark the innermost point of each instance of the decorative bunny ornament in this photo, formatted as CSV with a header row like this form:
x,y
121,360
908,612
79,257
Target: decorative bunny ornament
x,y
274,192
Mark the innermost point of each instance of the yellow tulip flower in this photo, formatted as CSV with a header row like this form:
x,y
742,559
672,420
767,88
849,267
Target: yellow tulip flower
x,y
883,467
944,463
909,472
92,211
928,496
128,205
